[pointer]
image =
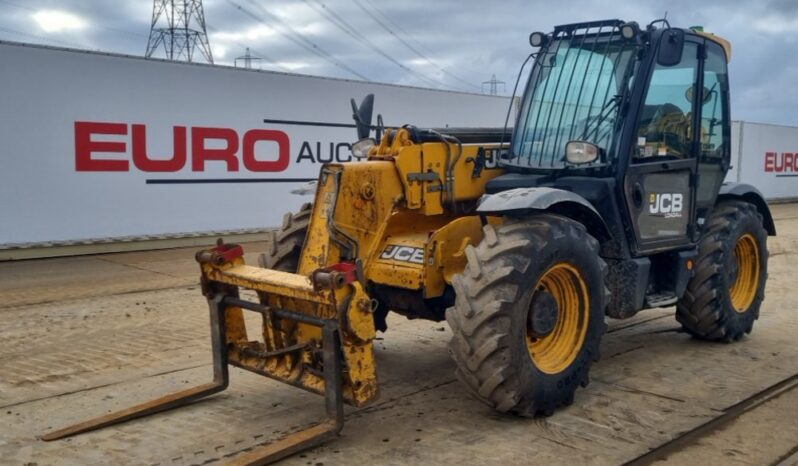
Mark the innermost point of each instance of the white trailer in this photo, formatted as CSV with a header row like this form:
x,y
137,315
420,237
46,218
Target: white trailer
x,y
766,156
115,151
102,147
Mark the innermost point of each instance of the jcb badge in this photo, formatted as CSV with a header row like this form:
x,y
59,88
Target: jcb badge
x,y
403,254
666,204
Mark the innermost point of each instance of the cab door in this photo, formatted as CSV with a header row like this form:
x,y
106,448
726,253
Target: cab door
x,y
715,132
662,168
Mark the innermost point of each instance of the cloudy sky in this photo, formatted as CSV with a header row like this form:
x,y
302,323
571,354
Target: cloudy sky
x,y
447,44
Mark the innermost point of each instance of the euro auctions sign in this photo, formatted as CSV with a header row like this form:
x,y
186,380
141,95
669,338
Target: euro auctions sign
x,y
98,146
256,150
781,163
766,156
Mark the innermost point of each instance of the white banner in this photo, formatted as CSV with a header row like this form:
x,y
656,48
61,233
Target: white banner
x,y
767,158
103,146
106,146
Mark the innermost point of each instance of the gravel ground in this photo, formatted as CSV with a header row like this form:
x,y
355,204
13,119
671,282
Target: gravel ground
x,y
86,335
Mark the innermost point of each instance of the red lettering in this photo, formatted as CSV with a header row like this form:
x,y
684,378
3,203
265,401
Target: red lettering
x,y
770,160
283,155
84,147
778,165
788,161
224,148
145,163
200,154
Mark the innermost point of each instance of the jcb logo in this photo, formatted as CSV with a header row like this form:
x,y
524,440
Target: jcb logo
x,y
492,158
403,254
667,204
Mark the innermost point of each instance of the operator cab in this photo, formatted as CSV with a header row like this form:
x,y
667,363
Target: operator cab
x,y
610,113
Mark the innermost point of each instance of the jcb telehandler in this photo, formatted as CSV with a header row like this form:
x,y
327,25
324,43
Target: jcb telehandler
x,y
607,199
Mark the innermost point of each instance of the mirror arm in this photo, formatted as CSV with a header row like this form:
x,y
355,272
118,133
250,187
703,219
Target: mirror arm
x,y
380,128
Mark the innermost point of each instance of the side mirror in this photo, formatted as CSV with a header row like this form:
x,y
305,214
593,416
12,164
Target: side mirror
x,y
706,94
580,152
362,116
671,45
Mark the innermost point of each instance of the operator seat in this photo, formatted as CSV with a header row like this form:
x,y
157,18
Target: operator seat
x,y
666,124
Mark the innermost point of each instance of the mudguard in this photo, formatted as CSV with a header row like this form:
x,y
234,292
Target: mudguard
x,y
748,193
520,201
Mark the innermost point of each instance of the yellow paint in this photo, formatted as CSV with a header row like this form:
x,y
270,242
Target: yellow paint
x,y
556,351
720,41
746,255
446,247
414,195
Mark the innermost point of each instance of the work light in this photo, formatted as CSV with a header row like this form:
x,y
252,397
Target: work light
x,y
361,148
537,39
630,30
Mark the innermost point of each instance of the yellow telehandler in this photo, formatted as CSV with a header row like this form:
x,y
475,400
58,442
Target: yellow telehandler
x,y
607,198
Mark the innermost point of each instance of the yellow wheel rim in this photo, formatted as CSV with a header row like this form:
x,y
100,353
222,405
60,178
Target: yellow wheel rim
x,y
743,290
555,351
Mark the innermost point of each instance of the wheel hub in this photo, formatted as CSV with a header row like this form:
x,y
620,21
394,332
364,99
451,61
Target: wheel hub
x,y
543,314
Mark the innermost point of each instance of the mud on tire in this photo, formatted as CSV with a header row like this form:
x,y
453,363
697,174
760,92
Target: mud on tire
x,y
707,310
285,244
489,318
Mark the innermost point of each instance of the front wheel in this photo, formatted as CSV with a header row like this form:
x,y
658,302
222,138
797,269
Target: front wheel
x,y
529,314
286,243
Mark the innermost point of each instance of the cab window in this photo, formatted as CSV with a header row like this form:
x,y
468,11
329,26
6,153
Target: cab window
x,y
715,128
714,111
664,129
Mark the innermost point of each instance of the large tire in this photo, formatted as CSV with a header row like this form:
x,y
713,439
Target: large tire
x,y
494,343
724,295
285,244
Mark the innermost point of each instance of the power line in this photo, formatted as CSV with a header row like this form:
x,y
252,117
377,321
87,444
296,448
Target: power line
x,y
407,44
397,26
209,27
296,37
183,32
347,28
247,58
28,8
494,85
47,39
262,55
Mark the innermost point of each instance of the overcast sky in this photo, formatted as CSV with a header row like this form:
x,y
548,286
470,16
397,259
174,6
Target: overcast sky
x,y
432,43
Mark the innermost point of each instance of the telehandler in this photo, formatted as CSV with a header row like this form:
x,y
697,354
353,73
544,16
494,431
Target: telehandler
x,y
607,199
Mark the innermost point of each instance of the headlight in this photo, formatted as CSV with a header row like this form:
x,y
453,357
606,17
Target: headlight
x,y
579,152
360,149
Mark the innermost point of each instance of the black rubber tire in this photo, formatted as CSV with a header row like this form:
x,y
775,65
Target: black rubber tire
x,y
706,311
488,319
285,244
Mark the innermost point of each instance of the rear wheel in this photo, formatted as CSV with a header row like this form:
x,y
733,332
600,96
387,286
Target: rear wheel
x,y
723,298
285,244
529,314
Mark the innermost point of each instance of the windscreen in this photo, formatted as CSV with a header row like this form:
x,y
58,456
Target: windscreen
x,y
573,93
